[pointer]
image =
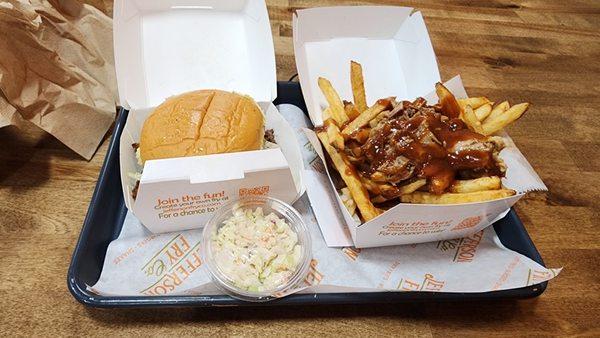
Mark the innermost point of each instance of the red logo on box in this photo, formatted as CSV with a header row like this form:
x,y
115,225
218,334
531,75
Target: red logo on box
x,y
468,222
255,191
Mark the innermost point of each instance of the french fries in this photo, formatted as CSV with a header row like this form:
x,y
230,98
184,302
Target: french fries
x,y
447,101
358,86
474,102
358,192
385,192
456,198
468,115
492,125
412,187
348,201
351,110
486,119
478,184
483,111
352,129
336,139
498,110
378,118
364,118
333,131
335,103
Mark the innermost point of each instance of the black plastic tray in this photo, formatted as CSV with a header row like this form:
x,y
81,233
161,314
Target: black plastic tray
x,y
107,211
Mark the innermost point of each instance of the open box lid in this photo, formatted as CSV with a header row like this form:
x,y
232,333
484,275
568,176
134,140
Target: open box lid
x,y
391,43
167,47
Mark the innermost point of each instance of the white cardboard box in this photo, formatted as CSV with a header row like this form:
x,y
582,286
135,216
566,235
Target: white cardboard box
x,y
167,47
394,48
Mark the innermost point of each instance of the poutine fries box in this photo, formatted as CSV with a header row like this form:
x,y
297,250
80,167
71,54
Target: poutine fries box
x,y
393,46
167,47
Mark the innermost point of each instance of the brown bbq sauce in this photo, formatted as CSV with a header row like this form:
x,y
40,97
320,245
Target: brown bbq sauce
x,y
321,129
426,139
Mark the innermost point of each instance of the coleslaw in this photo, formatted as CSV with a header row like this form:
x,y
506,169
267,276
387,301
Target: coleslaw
x,y
256,252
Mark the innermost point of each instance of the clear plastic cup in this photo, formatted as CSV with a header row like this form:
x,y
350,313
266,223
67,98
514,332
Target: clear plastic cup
x,y
281,210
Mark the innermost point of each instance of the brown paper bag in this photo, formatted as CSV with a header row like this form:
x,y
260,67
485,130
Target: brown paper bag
x,y
8,114
57,70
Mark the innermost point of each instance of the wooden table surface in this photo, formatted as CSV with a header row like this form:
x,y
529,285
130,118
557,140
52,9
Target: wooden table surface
x,y
544,52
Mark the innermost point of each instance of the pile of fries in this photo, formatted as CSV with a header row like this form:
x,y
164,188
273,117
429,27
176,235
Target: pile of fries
x,y
354,134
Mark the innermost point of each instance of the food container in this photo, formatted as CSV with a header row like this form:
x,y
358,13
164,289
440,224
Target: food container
x,y
393,46
269,205
167,47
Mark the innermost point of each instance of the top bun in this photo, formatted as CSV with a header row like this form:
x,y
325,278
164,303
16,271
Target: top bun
x,y
200,123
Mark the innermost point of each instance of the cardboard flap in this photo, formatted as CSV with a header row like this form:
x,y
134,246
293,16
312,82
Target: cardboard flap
x,y
167,47
337,225
375,22
213,168
392,45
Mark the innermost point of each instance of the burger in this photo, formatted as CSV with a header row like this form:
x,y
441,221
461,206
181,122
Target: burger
x,y
202,122
198,123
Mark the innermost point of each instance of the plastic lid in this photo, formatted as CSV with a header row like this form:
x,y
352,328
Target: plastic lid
x,y
167,47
